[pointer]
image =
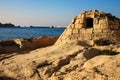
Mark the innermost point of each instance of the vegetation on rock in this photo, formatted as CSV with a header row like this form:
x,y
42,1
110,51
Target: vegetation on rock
x,y
102,42
109,52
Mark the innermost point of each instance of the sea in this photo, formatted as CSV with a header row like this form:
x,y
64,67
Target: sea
x,y
28,32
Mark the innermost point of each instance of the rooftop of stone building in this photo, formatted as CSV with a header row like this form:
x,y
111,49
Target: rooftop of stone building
x,y
100,13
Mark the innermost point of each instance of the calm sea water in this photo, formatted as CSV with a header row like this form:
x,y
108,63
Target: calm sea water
x,y
12,33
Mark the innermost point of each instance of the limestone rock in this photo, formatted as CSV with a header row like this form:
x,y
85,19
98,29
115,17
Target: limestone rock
x,y
16,45
72,61
92,25
8,46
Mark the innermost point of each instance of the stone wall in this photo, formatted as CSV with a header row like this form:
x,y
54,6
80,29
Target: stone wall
x,y
26,44
104,26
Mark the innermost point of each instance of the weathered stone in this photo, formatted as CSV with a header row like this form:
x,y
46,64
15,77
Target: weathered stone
x,y
104,26
82,16
89,31
69,31
84,31
78,26
76,31
72,26
103,21
16,45
106,30
94,23
114,26
97,26
77,21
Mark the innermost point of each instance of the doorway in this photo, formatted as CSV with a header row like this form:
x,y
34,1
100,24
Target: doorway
x,y
89,23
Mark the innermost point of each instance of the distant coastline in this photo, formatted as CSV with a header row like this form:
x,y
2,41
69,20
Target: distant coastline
x,y
47,26
6,25
10,25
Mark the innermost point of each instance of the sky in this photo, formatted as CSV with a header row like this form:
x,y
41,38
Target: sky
x,y
51,12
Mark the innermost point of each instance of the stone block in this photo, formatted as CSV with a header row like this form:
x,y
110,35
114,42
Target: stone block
x,y
89,30
76,31
86,36
97,26
105,35
72,26
77,21
100,35
68,31
114,27
104,26
86,31
90,15
96,21
83,31
81,20
78,26
97,30
106,30
64,37
69,26
107,21
103,21
82,16
100,21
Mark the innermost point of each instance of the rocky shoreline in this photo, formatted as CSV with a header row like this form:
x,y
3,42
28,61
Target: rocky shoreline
x,y
25,44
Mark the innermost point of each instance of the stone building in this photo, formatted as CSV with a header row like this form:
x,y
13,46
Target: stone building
x,y
92,25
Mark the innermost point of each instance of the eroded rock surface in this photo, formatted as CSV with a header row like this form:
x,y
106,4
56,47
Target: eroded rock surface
x,y
26,44
70,61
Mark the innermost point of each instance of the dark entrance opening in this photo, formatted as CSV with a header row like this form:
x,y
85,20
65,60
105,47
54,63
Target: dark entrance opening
x,y
89,23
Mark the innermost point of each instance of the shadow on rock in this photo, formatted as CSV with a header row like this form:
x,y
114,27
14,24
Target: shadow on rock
x,y
6,78
83,43
92,52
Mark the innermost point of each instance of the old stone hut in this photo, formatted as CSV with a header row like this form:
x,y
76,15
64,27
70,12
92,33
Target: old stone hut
x,y
92,25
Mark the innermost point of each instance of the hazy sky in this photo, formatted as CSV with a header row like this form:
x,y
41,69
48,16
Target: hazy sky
x,y
51,12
